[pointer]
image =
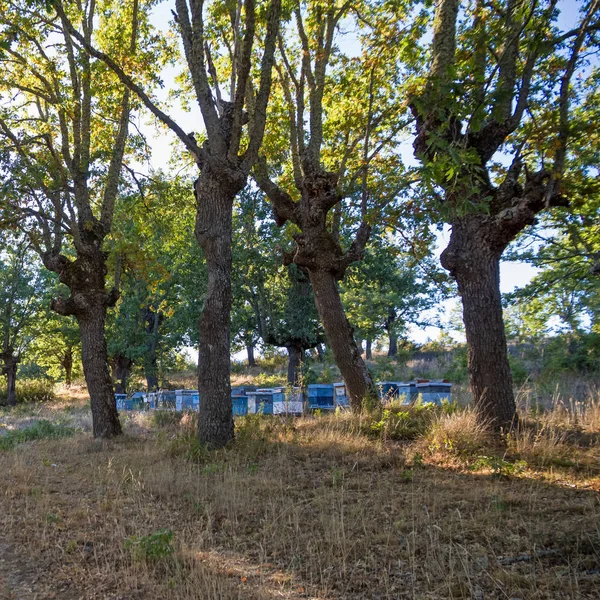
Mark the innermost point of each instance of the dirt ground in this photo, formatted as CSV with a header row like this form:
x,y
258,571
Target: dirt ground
x,y
294,509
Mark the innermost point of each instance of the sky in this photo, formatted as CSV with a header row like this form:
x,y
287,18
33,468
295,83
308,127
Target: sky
x,y
512,274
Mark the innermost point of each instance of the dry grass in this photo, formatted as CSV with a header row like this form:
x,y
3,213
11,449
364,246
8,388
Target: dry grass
x,y
322,508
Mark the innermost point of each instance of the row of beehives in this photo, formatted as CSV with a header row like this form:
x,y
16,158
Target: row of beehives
x,y
269,401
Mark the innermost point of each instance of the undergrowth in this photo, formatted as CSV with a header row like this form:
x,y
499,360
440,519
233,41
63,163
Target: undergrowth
x,y
38,431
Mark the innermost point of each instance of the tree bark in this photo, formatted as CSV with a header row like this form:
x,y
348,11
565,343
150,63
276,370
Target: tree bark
x,y
250,352
340,337
393,348
67,365
10,370
294,363
11,384
476,268
151,372
150,358
94,357
215,196
122,371
88,302
368,349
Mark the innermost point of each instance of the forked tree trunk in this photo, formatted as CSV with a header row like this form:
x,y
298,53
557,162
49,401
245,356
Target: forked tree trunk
x,y
477,273
94,357
368,349
88,302
250,352
214,235
294,363
340,337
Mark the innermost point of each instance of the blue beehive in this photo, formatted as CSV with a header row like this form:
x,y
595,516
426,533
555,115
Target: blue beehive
x,y
340,395
320,396
187,400
121,401
388,390
434,391
138,400
261,401
239,405
166,399
406,392
292,402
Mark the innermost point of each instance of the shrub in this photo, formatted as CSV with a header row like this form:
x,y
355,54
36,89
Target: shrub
x,y
402,423
272,362
151,547
270,380
30,390
457,432
457,372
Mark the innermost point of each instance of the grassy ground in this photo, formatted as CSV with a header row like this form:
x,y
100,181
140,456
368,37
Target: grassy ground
x,y
419,505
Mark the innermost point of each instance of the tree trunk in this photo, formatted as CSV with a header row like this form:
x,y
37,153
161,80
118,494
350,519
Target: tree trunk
x,y
368,349
214,234
122,371
11,381
393,349
150,358
94,357
250,351
340,337
294,364
476,269
86,279
67,364
151,371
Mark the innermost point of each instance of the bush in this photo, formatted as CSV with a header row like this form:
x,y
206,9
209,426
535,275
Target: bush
x,y
457,432
458,371
30,390
272,361
270,380
151,547
402,423
518,369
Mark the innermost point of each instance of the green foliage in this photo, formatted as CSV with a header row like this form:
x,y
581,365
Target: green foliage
x,y
458,371
384,293
30,391
151,547
518,369
42,429
571,353
400,423
499,466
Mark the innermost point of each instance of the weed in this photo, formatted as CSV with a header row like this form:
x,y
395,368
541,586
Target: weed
x,y
151,547
499,466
